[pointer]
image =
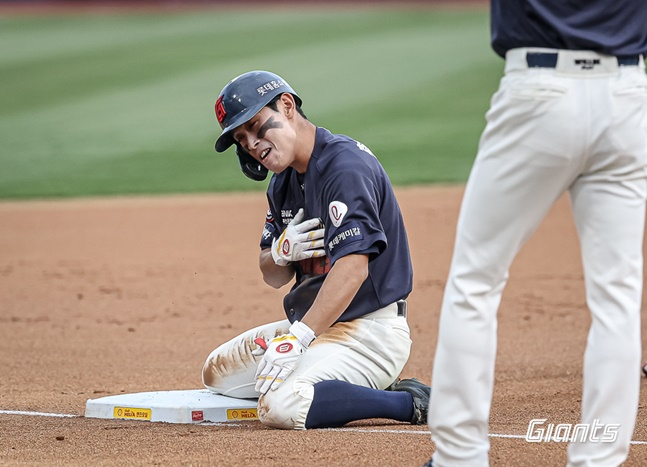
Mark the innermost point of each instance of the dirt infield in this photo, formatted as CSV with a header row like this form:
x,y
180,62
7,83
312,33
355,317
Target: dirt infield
x,y
122,295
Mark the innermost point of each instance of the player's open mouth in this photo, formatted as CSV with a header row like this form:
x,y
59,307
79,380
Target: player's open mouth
x,y
265,153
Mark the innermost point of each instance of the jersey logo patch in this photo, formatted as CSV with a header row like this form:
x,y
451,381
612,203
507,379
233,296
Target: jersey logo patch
x,y
337,211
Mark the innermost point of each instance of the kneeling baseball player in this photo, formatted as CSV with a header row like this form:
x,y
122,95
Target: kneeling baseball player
x,y
335,226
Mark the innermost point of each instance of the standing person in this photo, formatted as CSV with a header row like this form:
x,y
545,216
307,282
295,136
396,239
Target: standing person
x,y
333,225
570,115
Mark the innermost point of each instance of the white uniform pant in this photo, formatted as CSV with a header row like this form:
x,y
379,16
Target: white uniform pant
x,y
549,131
369,352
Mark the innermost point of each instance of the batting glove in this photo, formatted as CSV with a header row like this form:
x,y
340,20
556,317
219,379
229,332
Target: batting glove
x,y
300,240
281,355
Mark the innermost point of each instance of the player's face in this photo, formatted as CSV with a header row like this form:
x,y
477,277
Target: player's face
x,y
269,138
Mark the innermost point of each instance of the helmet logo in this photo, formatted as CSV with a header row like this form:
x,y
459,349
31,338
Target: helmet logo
x,y
220,110
269,87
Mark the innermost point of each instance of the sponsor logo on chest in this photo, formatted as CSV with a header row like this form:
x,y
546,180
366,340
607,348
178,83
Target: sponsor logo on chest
x,y
286,216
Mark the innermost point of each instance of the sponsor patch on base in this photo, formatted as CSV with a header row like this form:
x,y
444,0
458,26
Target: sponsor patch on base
x,y
132,413
242,414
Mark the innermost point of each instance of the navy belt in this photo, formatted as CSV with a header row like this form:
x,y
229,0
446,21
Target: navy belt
x,y
549,60
402,308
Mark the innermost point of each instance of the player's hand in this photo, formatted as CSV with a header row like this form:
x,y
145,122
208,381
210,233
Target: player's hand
x,y
300,240
280,356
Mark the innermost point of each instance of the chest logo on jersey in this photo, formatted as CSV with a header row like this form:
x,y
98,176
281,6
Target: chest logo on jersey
x,y
337,211
286,216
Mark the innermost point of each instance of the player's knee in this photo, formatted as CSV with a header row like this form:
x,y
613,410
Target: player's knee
x,y
218,379
278,415
210,377
287,407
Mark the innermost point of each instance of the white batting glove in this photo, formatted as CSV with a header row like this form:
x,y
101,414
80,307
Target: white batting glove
x,y
281,356
300,240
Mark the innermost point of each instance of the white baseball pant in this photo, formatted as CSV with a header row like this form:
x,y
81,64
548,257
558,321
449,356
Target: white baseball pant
x,y
549,130
370,352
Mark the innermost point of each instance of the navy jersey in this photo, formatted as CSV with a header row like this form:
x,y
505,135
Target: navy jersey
x,y
347,188
617,27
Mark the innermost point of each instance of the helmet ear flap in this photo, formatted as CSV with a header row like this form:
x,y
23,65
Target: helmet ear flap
x,y
250,166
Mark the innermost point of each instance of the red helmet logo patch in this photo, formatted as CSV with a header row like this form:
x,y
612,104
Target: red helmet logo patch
x,y
220,110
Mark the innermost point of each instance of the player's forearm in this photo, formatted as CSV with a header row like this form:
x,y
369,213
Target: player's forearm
x,y
273,275
338,290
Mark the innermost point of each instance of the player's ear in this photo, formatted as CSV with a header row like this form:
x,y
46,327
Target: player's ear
x,y
289,104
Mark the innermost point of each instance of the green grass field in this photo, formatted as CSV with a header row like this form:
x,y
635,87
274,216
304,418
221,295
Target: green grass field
x,y
102,104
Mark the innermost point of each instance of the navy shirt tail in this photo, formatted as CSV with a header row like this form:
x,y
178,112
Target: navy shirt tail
x,y
572,25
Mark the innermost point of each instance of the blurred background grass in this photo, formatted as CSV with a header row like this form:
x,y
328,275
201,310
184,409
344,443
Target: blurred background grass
x,y
101,104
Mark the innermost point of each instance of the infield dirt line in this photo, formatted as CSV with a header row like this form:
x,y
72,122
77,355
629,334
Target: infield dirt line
x,y
224,424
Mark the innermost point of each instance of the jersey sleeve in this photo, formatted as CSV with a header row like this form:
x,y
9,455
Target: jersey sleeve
x,y
352,205
269,231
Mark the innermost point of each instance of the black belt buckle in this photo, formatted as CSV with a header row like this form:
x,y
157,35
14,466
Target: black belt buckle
x,y
402,308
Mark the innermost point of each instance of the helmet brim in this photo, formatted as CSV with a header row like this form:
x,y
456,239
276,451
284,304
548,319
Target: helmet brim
x,y
225,140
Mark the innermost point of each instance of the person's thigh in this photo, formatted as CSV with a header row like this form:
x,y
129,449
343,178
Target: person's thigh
x,y
230,369
365,352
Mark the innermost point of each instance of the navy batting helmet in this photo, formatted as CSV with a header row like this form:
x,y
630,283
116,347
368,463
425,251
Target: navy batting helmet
x,y
238,102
